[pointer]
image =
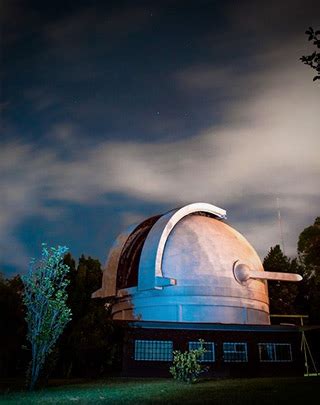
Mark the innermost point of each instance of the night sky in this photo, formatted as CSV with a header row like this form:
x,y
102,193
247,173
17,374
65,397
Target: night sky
x,y
115,111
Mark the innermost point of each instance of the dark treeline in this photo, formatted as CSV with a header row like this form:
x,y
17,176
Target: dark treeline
x,y
302,297
90,345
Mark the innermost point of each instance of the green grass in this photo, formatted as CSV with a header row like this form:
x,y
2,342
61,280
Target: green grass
x,y
258,391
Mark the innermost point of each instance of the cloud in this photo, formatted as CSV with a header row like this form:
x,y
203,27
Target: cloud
x,y
267,145
131,218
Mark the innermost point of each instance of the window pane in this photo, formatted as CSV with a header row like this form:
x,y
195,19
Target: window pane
x,y
235,352
153,350
283,352
276,352
266,352
208,356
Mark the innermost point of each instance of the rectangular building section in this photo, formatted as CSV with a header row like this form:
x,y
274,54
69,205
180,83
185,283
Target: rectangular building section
x,y
231,350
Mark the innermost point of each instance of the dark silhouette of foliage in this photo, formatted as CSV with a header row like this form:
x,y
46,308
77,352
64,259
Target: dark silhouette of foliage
x,y
309,257
302,297
90,344
313,60
283,296
13,358
309,246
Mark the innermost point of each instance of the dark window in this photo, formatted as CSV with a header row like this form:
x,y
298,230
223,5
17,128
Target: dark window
x,y
153,350
208,356
275,352
235,352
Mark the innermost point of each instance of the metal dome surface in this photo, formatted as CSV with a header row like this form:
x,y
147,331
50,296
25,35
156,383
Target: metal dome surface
x,y
192,267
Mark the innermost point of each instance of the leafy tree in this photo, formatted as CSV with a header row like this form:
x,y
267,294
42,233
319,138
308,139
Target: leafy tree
x,y
283,296
90,344
46,311
84,280
309,247
309,256
313,60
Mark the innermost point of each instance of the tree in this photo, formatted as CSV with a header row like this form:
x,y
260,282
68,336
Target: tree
x,y
313,60
12,326
85,279
309,247
90,344
309,256
283,296
46,311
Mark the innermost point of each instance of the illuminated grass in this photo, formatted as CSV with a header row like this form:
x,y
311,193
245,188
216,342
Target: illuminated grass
x,y
162,391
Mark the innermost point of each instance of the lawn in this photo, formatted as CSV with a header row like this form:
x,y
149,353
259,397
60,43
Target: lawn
x,y
166,391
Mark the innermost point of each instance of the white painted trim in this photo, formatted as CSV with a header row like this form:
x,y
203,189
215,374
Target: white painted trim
x,y
150,267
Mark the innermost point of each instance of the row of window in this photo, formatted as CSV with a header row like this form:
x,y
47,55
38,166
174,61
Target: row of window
x,y
235,352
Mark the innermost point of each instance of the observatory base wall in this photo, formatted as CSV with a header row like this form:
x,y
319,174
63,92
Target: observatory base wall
x,y
236,350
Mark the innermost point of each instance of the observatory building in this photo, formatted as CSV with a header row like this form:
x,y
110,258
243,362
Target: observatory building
x,y
187,275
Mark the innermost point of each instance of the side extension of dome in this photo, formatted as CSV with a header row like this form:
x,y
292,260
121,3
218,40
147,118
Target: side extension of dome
x,y
136,255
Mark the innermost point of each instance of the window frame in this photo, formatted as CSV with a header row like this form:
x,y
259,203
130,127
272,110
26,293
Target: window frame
x,y
197,344
235,352
146,350
274,358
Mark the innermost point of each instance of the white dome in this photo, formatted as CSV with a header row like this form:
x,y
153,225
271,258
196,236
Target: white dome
x,y
179,267
202,251
187,266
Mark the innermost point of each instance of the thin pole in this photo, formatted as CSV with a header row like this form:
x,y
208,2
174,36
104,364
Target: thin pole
x,y
303,341
280,226
306,349
311,357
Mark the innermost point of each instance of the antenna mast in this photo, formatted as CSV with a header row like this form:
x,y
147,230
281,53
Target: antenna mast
x,y
280,226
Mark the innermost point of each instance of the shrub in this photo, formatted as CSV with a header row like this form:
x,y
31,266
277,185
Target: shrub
x,y
186,366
